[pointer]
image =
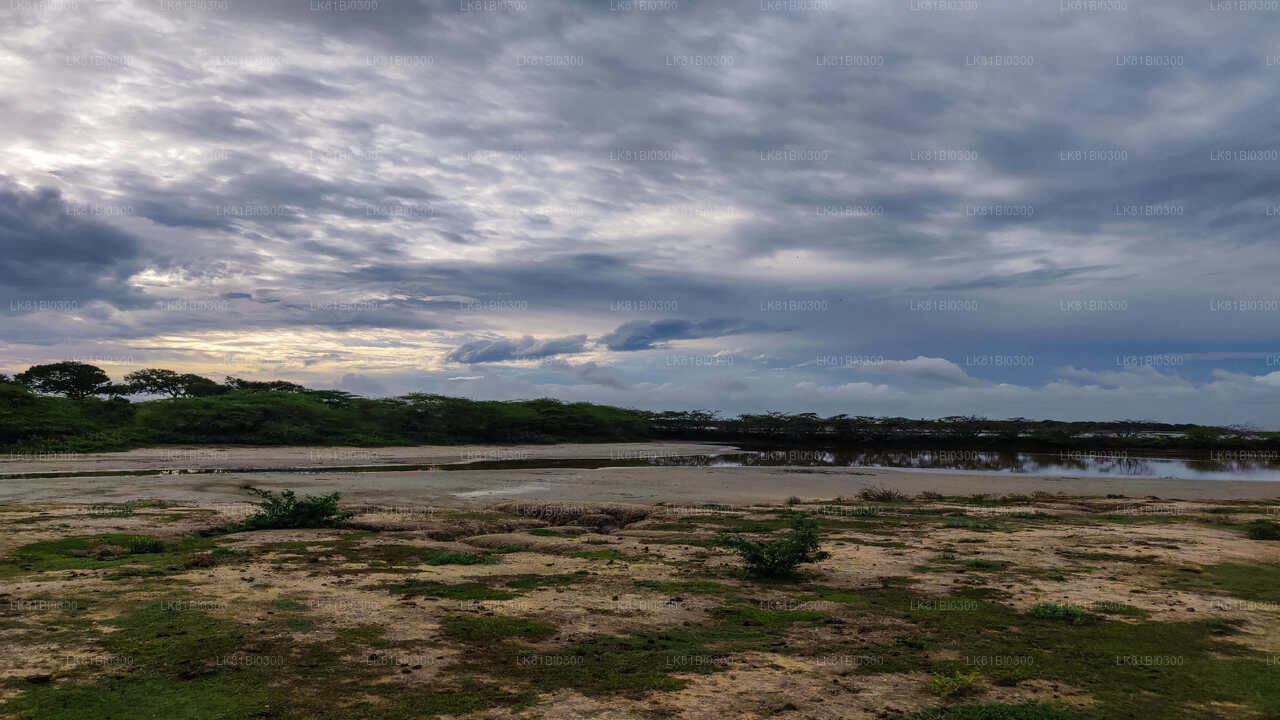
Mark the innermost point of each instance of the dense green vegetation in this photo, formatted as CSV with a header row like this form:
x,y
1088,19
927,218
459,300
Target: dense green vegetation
x,y
287,510
779,557
74,407
41,423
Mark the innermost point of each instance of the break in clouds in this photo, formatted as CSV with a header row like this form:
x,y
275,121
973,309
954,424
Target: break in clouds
x,y
1059,209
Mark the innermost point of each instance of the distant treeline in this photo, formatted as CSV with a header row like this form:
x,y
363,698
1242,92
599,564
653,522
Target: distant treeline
x,y
74,407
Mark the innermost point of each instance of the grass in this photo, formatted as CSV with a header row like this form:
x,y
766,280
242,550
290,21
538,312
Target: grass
x,y
530,582
1248,582
697,587
882,494
544,532
457,558
968,523
1025,711
107,550
452,591
981,564
1262,530
956,685
1073,614
484,629
174,654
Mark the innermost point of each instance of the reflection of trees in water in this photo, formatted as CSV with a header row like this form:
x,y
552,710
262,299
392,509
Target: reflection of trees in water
x,y
1233,464
1108,465
976,460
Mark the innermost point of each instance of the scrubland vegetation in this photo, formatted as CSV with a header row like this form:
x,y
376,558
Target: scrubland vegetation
x,y
927,607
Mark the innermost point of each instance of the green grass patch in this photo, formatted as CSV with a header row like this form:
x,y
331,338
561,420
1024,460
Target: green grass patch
x,y
1025,711
530,582
1073,614
83,552
968,523
694,587
451,591
1247,582
546,532
488,628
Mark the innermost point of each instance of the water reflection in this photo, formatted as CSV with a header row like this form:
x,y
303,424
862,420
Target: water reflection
x,y
1238,465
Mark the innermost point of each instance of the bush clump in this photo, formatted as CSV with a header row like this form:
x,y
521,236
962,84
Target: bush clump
x,y
1262,530
287,510
881,494
1074,614
956,685
780,557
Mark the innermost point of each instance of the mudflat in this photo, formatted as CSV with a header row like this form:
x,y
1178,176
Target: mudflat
x,y
372,475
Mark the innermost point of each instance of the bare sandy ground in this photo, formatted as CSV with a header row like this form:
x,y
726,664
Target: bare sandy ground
x,y
734,485
230,457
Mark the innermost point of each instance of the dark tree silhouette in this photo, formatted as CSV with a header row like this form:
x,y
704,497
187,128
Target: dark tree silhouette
x,y
73,379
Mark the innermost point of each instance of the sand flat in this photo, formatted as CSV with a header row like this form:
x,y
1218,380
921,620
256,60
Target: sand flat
x,y
738,485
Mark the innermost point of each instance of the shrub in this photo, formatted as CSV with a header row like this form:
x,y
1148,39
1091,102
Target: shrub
x,y
881,494
779,557
793,500
142,545
287,510
956,685
1073,613
930,495
1263,530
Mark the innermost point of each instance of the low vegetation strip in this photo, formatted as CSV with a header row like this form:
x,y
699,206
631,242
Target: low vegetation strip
x,y
75,407
158,613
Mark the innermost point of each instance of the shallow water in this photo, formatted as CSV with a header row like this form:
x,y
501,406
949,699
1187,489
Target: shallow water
x,y
1233,465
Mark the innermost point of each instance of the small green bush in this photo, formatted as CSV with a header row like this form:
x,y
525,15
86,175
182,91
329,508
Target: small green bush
x,y
287,510
956,685
1073,613
780,557
1262,530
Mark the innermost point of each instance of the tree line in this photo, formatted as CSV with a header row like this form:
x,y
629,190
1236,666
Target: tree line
x,y
76,405
79,380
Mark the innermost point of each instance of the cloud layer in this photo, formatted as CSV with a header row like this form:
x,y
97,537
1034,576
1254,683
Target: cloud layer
x,y
1050,210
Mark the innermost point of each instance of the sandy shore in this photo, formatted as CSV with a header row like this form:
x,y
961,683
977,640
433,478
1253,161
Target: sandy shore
x,y
734,485
226,457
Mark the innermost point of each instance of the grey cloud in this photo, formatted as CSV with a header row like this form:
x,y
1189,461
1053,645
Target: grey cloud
x,y
51,250
527,348
643,335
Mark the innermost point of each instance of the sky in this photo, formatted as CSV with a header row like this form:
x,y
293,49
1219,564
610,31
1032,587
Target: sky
x,y
1053,209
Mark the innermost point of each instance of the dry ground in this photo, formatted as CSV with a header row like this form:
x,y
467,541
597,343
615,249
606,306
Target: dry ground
x,y
925,608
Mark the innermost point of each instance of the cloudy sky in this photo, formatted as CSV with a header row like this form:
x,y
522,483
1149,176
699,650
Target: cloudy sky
x,y
999,207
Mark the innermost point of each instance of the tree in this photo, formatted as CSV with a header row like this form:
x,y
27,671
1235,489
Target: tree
x,y
200,386
155,381
236,383
73,379
167,382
